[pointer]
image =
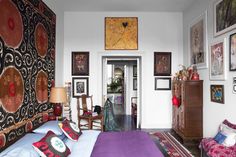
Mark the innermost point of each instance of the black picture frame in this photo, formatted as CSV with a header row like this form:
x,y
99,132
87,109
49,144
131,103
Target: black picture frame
x,y
232,52
162,63
162,83
134,83
217,93
134,70
80,63
80,86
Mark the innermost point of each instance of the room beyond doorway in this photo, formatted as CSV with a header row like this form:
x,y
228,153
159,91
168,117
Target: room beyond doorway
x,y
121,77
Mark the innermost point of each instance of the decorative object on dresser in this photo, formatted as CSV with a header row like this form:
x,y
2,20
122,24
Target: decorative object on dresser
x,y
80,63
162,63
58,97
187,116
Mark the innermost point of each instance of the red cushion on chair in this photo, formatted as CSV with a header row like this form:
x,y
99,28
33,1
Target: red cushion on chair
x,y
51,146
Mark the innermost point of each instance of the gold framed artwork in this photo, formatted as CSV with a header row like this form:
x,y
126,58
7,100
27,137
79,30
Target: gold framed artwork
x,y
121,33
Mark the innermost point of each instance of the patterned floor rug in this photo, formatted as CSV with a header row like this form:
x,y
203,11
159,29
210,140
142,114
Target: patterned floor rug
x,y
170,146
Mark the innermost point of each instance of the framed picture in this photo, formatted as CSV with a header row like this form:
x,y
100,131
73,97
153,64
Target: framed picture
x,y
121,33
162,83
217,61
80,86
198,42
162,63
80,63
224,16
134,83
232,54
134,70
234,85
217,93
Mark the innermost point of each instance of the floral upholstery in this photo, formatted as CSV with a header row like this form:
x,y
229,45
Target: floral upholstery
x,y
214,149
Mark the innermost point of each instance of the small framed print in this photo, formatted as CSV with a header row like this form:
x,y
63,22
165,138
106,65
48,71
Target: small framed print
x,y
217,60
80,63
134,83
162,63
234,89
134,70
232,52
162,83
80,86
234,85
217,93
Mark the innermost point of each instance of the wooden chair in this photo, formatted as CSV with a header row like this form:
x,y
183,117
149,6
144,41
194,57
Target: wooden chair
x,y
85,118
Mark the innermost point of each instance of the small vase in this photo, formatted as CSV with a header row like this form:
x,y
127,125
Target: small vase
x,y
195,76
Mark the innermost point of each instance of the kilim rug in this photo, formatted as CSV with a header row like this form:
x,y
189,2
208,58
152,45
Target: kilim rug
x,y
170,145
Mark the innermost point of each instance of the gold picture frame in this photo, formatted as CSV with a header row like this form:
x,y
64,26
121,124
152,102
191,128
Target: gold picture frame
x,y
121,33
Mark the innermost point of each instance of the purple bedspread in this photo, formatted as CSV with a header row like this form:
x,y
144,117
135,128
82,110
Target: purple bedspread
x,y
125,144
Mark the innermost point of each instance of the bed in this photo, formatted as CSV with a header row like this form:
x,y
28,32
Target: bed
x,y
93,143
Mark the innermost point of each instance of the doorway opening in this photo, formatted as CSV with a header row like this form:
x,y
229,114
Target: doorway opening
x,y
121,77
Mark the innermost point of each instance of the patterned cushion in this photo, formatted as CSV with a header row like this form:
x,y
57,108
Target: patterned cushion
x,y
219,138
231,125
70,130
51,146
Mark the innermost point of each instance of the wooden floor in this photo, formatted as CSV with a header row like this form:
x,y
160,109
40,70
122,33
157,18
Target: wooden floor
x,y
126,123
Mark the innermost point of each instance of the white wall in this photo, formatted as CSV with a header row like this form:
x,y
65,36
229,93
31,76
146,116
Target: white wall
x,y
59,41
213,113
84,31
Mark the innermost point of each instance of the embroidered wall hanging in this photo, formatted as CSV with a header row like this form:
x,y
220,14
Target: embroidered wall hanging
x,y
27,66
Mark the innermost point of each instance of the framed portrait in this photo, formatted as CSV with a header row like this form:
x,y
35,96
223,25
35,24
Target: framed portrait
x,y
134,70
217,93
121,33
162,83
162,63
224,16
80,63
80,86
198,42
217,61
232,52
134,83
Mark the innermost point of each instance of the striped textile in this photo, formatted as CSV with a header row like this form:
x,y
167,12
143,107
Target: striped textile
x,y
172,147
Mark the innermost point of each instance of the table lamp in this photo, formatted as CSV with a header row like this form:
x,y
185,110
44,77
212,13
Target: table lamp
x,y
58,97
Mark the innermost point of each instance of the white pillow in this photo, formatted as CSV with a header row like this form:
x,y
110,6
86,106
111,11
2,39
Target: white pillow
x,y
226,129
230,140
50,125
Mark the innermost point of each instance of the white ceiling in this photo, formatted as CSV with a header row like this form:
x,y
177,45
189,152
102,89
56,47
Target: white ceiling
x,y
124,5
